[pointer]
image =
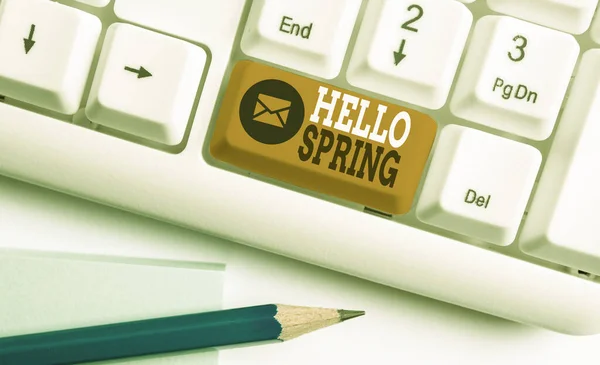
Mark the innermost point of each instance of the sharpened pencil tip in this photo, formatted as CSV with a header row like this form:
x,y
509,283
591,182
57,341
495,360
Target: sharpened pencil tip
x,y
346,314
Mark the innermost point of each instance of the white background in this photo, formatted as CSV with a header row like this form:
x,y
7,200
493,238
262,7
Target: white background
x,y
399,328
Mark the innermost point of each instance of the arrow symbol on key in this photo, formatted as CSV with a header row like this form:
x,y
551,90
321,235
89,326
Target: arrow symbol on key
x,y
399,55
141,72
29,42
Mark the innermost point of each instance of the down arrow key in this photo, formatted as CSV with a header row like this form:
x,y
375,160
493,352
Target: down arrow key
x,y
29,42
399,55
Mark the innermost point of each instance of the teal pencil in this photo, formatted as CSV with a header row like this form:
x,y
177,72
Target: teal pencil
x,y
165,335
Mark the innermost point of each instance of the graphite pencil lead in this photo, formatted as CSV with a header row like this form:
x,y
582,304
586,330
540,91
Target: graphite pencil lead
x,y
346,314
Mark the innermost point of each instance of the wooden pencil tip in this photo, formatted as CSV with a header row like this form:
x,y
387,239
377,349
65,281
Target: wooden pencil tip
x,y
296,321
346,314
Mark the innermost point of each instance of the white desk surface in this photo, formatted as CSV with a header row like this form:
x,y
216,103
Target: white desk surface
x,y
399,328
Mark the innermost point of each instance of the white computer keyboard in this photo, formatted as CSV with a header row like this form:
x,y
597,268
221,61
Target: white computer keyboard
x,y
409,142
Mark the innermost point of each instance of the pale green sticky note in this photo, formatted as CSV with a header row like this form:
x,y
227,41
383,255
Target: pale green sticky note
x,y
48,292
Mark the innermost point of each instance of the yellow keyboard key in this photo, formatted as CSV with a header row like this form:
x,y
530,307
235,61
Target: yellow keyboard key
x,y
323,138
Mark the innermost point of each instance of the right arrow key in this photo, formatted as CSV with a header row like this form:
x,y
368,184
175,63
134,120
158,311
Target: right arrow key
x,y
146,84
141,72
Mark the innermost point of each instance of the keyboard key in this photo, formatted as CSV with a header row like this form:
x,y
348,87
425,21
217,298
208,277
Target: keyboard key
x,y
572,16
410,49
563,220
478,184
595,29
294,34
209,22
96,3
515,76
146,84
47,51
322,138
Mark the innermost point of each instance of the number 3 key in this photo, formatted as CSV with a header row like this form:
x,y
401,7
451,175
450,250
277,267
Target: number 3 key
x,y
515,76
